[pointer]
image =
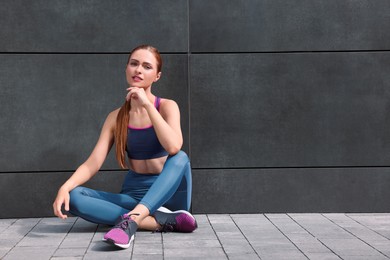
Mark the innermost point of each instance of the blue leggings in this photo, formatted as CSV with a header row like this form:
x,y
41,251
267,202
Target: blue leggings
x,y
171,188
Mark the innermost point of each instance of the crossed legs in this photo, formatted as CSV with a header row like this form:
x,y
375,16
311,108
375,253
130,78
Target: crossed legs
x,y
172,188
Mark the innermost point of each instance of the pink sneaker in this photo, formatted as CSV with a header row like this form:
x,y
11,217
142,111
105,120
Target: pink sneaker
x,y
175,221
122,234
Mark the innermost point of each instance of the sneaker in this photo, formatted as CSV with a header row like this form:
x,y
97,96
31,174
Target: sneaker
x,y
122,234
175,221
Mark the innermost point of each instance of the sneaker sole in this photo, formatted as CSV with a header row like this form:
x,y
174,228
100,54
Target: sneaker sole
x,y
185,230
165,210
124,246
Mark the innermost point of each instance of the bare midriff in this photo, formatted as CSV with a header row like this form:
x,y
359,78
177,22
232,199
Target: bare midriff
x,y
149,166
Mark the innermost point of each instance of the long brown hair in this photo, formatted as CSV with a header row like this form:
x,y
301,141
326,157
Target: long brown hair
x,y
123,117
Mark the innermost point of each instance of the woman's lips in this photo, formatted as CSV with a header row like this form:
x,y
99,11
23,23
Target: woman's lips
x,y
137,79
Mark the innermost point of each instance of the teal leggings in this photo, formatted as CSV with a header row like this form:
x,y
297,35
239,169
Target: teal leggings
x,y
171,188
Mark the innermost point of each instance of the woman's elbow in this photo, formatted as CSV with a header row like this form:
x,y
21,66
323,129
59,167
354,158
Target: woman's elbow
x,y
173,149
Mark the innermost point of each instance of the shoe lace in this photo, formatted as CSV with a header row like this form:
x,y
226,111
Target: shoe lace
x,y
124,224
167,227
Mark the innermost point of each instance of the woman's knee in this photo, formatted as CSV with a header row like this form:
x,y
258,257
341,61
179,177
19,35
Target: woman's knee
x,y
183,156
75,195
179,160
76,192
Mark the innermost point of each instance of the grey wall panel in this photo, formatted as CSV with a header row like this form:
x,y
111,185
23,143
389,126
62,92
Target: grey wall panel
x,y
291,190
225,191
32,194
53,106
297,25
284,104
93,26
283,110
173,84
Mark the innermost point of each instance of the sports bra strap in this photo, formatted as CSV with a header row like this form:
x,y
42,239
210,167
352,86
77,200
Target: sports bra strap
x,y
157,103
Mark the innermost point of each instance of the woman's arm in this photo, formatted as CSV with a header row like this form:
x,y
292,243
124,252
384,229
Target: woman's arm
x,y
90,167
166,123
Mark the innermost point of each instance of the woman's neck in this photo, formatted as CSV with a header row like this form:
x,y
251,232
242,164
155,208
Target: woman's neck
x,y
136,106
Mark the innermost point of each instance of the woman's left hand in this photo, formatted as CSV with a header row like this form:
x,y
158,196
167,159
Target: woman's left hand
x,y
137,94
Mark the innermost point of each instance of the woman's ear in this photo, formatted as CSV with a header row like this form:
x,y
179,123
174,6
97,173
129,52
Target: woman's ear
x,y
158,76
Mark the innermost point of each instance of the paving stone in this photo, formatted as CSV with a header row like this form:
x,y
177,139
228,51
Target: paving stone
x,y
201,243
351,247
9,242
320,227
102,250
219,218
5,223
354,227
276,248
311,248
195,258
226,241
32,253
70,252
303,238
285,224
19,228
4,251
67,258
238,249
80,235
148,237
243,257
322,256
107,255
377,222
141,248
283,256
210,253
75,240
148,257
379,257
219,236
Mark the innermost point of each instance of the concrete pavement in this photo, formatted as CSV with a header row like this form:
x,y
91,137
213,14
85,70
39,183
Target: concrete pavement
x,y
219,236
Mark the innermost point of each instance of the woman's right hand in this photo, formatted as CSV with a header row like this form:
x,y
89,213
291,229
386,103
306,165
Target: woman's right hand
x,y
61,199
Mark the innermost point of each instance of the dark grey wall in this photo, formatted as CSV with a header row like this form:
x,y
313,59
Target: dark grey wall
x,y
285,105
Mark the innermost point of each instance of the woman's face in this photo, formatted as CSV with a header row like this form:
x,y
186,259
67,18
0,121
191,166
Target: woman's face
x,y
141,71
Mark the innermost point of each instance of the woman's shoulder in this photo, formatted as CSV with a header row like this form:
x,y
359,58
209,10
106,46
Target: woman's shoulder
x,y
168,107
166,103
111,117
113,114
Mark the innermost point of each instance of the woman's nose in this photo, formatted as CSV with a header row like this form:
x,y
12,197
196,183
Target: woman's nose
x,y
138,69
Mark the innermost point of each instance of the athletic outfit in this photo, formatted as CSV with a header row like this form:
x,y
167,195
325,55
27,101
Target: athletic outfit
x,y
171,188
142,143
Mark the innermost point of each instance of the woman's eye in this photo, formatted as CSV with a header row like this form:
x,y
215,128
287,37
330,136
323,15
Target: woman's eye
x,y
133,63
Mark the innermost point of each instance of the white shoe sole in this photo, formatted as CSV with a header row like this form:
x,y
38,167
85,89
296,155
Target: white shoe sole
x,y
165,210
124,246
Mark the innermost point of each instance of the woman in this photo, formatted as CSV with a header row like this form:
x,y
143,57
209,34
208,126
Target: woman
x,y
147,129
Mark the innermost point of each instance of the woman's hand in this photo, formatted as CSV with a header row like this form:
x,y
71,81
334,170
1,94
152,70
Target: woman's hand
x,y
61,199
137,94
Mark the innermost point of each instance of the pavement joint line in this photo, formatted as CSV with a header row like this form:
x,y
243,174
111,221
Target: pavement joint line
x,y
265,215
346,230
246,238
362,224
16,244
322,243
215,233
